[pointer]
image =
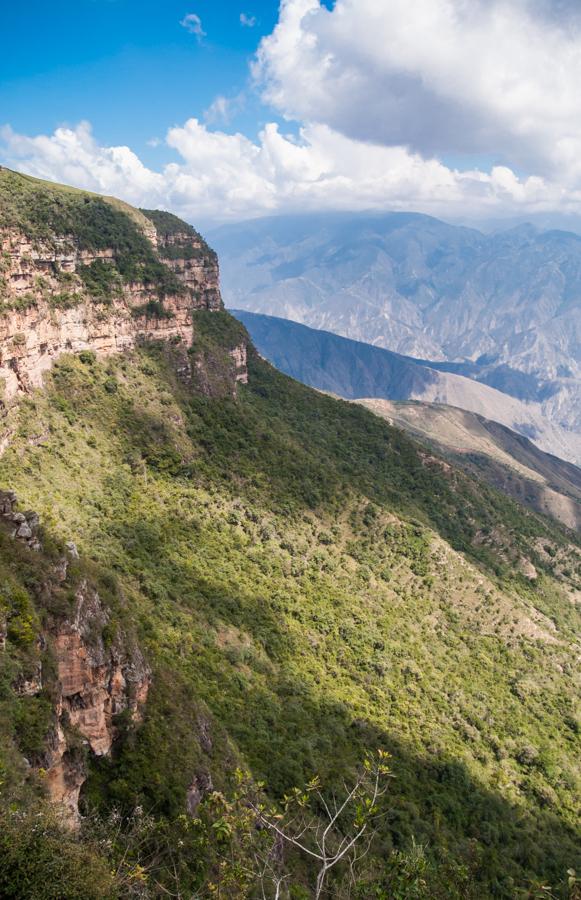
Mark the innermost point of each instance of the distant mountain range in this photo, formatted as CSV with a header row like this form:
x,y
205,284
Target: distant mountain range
x,y
354,370
505,308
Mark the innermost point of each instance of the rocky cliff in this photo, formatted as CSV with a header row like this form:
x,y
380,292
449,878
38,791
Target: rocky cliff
x,y
90,675
95,683
80,272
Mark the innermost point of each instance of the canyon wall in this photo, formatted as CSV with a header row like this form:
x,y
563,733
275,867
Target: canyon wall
x,y
46,309
92,673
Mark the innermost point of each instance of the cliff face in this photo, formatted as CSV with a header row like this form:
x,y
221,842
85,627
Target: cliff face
x,y
189,257
95,683
90,679
83,274
40,322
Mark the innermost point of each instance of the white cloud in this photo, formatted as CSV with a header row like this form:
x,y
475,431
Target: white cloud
x,y
224,109
382,90
438,76
193,24
221,176
247,21
74,157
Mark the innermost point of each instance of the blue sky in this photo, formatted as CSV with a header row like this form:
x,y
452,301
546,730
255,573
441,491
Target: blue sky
x,y
128,67
450,107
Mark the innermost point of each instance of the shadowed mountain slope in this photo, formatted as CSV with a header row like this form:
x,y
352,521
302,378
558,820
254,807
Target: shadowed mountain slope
x,y
212,568
355,370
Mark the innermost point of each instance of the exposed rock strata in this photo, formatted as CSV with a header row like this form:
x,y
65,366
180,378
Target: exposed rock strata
x,y
34,333
197,268
95,683
36,326
94,680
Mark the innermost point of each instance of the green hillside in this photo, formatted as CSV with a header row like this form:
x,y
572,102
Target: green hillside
x,y
308,589
306,584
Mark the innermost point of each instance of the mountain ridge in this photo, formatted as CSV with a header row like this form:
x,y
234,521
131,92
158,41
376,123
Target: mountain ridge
x,y
425,289
502,457
354,370
232,582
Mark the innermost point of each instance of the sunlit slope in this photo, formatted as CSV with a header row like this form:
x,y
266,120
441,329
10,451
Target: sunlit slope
x,y
308,582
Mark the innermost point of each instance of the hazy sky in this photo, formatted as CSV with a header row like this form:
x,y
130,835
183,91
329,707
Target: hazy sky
x,y
217,110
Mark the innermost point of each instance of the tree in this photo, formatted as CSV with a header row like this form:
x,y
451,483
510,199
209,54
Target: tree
x,y
332,830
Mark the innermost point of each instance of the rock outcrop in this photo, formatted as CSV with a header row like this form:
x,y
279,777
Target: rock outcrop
x,y
239,357
193,263
80,272
40,321
96,672
23,525
95,683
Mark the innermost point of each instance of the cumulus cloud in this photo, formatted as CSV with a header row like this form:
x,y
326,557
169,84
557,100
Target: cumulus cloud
x,y
437,76
247,21
222,176
193,24
382,91
74,157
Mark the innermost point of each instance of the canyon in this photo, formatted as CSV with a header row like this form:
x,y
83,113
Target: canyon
x,y
210,572
503,309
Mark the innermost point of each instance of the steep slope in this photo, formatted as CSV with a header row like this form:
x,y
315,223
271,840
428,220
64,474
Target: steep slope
x,y
355,370
305,583
294,582
418,286
509,461
83,272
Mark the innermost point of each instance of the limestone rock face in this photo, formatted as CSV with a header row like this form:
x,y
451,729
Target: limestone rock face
x,y
35,331
195,267
46,310
94,684
239,357
94,680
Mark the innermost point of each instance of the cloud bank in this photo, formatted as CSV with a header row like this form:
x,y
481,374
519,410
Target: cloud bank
x,y
382,93
439,76
226,176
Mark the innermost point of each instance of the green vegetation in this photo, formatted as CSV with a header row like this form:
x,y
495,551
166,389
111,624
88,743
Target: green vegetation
x,y
306,587
101,280
177,237
42,860
152,309
43,212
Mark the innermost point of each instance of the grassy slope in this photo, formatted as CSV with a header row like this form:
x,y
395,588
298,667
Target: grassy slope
x,y
288,562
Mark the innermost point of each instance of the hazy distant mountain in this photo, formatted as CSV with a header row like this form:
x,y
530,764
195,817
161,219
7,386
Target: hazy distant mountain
x,y
510,301
356,370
